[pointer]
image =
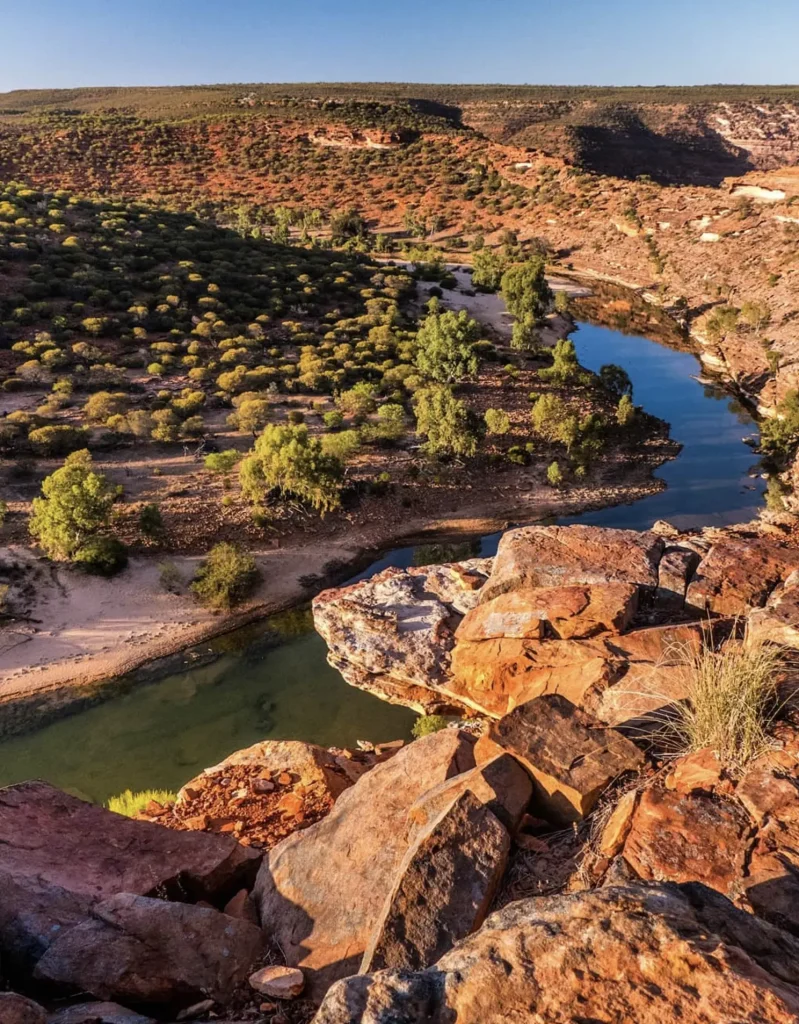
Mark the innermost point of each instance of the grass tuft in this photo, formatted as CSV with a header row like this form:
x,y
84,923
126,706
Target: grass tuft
x,y
130,804
732,702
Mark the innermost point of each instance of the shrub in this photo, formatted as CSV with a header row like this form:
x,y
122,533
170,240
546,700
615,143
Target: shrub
x,y
102,555
554,475
358,400
616,380
445,346
497,421
732,701
341,446
427,724
170,578
225,577
3,511
221,462
625,411
445,421
288,459
565,367
333,419
151,522
130,804
57,440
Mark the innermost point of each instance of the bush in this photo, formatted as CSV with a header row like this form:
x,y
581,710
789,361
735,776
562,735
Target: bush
x,y
497,421
445,421
333,419
341,446
226,576
732,701
104,556
151,522
427,724
170,578
57,440
3,511
221,462
130,804
554,475
288,459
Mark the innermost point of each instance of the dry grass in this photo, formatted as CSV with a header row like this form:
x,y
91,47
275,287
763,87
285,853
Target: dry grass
x,y
732,702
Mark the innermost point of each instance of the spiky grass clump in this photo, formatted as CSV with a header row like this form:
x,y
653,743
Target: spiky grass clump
x,y
732,701
130,804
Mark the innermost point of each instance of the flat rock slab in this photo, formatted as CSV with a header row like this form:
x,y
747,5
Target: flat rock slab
x,y
571,756
55,838
681,837
147,951
569,612
647,954
98,1013
555,556
445,886
321,891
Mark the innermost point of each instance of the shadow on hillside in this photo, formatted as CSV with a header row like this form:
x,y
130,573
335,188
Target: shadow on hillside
x,y
624,146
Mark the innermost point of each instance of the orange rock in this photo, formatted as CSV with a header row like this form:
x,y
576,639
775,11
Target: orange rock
x,y
701,770
618,825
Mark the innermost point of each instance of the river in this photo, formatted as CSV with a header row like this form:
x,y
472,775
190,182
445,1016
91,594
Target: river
x,y
271,680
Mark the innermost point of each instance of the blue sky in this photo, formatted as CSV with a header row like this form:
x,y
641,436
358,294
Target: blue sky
x,y
62,43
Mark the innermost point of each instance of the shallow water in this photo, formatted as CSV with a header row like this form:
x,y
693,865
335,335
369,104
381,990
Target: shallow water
x,y
271,681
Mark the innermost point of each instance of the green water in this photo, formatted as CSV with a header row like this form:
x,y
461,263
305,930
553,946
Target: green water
x,y
269,682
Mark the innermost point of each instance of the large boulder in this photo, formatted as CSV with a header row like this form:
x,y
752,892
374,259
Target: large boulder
x,y
59,856
681,837
444,888
16,1009
392,634
557,556
649,954
570,755
569,612
97,1013
149,951
738,574
778,622
321,891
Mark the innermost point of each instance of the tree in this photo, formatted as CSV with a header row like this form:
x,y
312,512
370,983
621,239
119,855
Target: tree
x,y
487,269
564,367
721,322
444,421
225,577
616,380
445,346
358,400
75,505
252,415
497,421
524,337
562,302
288,459
525,289
547,415
755,314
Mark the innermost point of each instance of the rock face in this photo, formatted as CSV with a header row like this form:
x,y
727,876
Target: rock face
x,y
321,891
556,556
445,886
738,574
142,950
392,634
59,856
778,622
647,954
570,755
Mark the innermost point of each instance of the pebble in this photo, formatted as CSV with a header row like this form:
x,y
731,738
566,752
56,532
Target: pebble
x,y
278,982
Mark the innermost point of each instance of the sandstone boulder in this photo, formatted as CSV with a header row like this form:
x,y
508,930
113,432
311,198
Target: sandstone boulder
x,y
778,622
16,1009
556,556
681,837
321,891
569,612
444,888
501,784
648,954
148,951
675,571
570,755
738,574
772,882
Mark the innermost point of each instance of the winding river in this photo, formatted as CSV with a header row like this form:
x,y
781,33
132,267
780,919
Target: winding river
x,y
271,680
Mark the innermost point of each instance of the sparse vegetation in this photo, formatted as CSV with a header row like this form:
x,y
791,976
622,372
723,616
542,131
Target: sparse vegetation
x,y
226,577
130,804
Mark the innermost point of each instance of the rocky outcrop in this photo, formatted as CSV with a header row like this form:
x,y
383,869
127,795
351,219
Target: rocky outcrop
x,y
15,1009
571,756
142,950
641,953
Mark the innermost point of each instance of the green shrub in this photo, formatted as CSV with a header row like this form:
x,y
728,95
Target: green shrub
x,y
170,577
288,459
57,440
151,522
333,419
497,421
226,576
554,475
221,462
427,724
341,446
75,504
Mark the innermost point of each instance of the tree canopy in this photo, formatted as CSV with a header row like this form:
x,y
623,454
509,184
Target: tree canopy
x,y
445,346
287,458
525,288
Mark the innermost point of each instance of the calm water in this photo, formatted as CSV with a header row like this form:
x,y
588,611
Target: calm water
x,y
272,681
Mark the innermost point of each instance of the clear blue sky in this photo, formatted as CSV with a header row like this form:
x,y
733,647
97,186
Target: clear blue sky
x,y
62,43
